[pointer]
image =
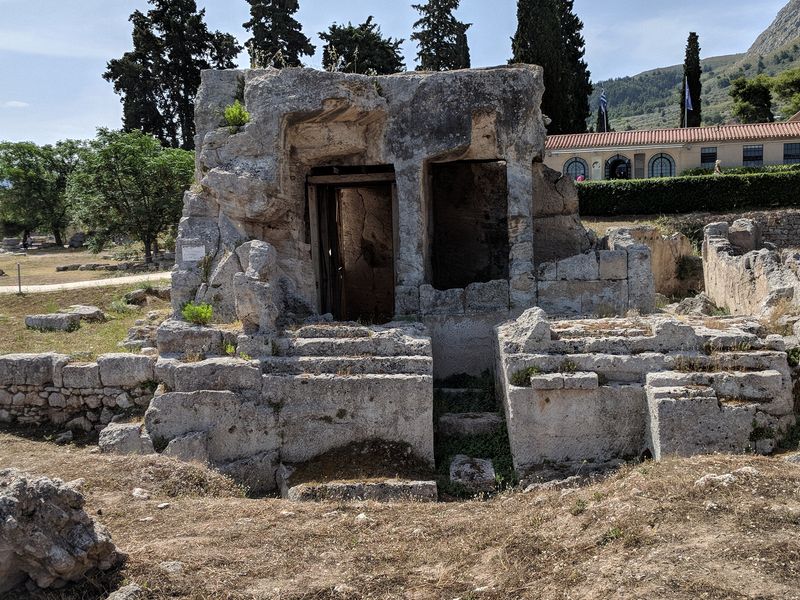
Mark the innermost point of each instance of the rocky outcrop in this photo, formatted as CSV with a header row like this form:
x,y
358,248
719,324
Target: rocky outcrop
x,y
46,537
783,30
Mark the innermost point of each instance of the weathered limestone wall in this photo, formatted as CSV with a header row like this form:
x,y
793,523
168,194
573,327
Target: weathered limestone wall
x,y
677,271
778,227
743,277
578,393
46,389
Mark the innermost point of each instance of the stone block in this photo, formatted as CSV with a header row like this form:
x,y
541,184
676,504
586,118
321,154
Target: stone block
x,y
90,314
81,376
180,337
192,447
255,473
406,300
549,381
476,475
125,370
581,381
217,374
54,322
487,297
529,333
29,369
583,267
441,302
745,235
125,438
613,264
381,491
547,271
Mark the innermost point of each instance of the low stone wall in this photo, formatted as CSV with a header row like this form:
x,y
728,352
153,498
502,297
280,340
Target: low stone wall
x,y
744,278
47,389
778,227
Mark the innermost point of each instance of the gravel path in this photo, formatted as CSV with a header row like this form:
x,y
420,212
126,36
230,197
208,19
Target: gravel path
x,y
77,285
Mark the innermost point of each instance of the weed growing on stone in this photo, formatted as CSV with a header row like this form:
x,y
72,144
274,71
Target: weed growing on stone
x,y
236,116
794,357
198,314
523,378
568,366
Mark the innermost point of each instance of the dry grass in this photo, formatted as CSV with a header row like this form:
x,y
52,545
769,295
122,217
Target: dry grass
x,y
88,341
39,267
646,532
601,225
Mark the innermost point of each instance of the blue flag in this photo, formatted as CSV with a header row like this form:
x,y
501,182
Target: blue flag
x,y
604,103
689,105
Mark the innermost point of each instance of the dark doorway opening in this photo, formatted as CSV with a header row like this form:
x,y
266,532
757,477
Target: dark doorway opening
x,y
470,223
618,167
355,245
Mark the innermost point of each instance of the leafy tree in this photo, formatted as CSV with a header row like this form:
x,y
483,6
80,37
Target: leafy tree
x,y
278,40
35,185
752,100
787,88
692,70
549,34
361,49
442,39
158,79
131,185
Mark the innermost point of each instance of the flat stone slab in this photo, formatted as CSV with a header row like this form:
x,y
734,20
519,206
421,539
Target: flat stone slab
x,y
56,322
466,424
477,475
392,490
90,314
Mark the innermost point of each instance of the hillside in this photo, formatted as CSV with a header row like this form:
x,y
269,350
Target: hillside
x,y
651,99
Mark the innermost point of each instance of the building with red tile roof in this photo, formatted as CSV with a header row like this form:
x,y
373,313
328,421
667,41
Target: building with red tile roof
x,y
669,152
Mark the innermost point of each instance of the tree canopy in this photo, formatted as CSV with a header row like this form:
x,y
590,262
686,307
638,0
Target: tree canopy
x,y
361,49
752,100
35,184
158,79
442,39
787,88
692,70
130,185
549,34
277,37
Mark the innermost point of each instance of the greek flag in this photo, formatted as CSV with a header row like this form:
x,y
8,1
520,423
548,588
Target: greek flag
x,y
689,105
604,103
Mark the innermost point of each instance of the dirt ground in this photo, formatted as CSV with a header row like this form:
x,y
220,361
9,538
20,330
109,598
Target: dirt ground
x,y
39,267
646,532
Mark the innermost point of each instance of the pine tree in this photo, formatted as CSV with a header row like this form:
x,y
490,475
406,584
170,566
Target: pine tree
x,y
158,79
361,49
278,39
549,34
752,100
442,39
692,70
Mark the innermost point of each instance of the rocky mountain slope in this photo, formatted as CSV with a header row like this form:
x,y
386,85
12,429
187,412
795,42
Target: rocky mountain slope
x,y
651,99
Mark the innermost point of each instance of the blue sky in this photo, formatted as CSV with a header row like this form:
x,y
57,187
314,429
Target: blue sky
x,y
53,52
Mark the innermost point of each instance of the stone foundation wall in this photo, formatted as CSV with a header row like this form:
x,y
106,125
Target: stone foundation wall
x,y
778,227
46,389
744,278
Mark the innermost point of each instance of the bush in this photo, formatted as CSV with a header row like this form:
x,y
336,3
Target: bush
x,y
236,115
676,195
198,314
743,170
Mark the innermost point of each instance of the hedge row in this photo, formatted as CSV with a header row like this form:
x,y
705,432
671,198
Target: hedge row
x,y
744,170
678,195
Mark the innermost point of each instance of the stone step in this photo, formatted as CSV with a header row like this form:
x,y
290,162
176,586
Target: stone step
x,y
469,424
348,365
324,331
372,346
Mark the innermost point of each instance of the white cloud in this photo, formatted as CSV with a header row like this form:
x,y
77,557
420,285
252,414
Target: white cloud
x,y
15,104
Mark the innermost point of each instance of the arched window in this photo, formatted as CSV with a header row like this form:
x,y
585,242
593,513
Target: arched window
x,y
662,165
576,167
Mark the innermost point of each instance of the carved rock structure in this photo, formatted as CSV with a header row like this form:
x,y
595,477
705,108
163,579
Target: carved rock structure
x,y
45,535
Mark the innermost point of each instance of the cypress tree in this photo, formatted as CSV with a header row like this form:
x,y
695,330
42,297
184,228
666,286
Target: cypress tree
x,y
158,79
278,39
442,39
692,70
549,34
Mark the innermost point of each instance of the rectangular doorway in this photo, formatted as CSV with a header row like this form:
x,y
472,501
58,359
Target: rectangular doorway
x,y
355,246
469,223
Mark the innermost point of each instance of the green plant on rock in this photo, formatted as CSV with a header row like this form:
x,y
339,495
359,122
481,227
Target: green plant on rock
x,y
522,378
198,314
236,116
794,357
